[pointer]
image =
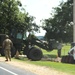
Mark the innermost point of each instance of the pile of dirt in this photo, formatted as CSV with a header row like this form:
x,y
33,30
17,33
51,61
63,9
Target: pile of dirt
x,y
39,70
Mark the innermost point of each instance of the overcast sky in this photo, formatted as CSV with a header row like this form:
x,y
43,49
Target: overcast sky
x,y
40,9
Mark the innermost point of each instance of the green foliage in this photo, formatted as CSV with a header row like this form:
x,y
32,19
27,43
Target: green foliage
x,y
14,16
59,27
8,10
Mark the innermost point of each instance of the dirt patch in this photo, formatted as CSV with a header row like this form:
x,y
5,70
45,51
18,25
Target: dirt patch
x,y
39,70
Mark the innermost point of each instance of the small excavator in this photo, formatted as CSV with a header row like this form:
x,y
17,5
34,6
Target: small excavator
x,y
30,46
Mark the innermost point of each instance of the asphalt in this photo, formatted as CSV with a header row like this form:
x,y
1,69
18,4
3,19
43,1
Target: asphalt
x,y
7,69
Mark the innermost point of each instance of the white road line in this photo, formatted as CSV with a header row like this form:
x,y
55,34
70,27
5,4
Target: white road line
x,y
8,71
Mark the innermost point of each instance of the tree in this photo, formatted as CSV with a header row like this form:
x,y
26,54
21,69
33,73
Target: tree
x,y
8,13
59,27
11,17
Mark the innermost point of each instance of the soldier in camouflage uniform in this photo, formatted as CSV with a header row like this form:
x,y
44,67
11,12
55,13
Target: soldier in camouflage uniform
x,y
7,44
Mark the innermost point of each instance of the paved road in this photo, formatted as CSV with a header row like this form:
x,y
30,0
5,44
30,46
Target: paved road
x,y
6,69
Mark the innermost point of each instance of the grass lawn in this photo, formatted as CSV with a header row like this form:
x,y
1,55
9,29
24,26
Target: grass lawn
x,y
68,68
64,67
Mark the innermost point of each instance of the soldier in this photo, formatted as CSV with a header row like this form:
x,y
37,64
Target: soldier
x,y
59,47
7,44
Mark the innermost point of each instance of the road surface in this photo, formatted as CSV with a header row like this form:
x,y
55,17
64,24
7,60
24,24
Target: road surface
x,y
6,69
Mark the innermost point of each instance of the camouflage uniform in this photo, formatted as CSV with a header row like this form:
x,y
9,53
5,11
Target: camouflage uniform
x,y
7,44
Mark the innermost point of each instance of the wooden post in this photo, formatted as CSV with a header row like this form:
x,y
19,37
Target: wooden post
x,y
74,21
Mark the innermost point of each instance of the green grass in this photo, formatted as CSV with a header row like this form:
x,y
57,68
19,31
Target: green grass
x,y
53,53
67,68
64,67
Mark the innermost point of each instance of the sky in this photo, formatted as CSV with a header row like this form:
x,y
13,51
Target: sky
x,y
40,9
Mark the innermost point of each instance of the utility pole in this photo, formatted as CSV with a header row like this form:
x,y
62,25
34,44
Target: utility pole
x,y
74,21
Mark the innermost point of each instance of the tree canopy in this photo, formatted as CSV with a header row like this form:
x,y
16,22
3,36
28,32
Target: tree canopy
x,y
12,17
59,26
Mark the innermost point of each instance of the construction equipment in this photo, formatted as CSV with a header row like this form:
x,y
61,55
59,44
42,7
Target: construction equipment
x,y
34,52
28,45
2,37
